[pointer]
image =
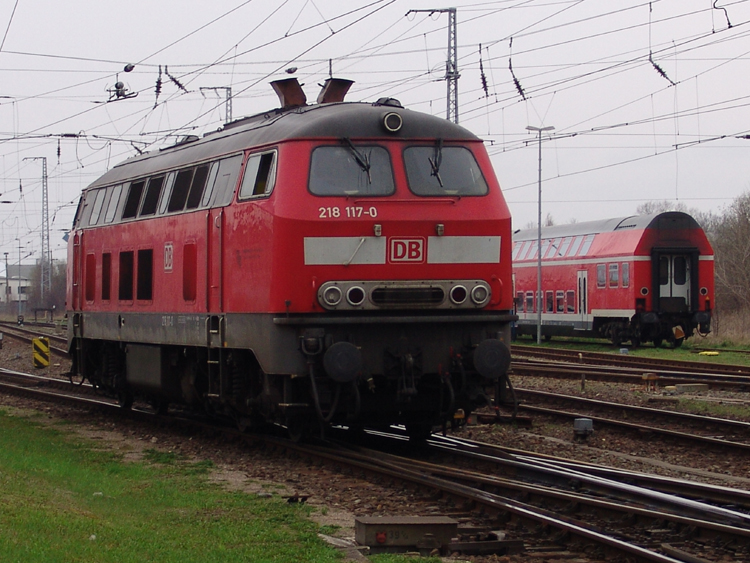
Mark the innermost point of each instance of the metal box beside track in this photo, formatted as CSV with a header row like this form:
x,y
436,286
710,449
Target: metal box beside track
x,y
397,533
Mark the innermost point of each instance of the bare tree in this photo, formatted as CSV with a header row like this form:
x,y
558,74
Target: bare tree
x,y
731,242
653,206
56,297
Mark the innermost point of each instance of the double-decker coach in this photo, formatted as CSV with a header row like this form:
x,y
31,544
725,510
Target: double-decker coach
x,y
646,278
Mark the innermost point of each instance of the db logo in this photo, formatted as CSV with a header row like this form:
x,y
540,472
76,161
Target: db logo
x,y
407,249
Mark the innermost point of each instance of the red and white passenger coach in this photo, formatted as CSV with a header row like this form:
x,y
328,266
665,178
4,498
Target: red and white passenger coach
x,y
646,278
338,262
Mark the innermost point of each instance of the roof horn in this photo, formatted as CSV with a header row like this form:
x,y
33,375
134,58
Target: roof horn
x,y
334,90
289,92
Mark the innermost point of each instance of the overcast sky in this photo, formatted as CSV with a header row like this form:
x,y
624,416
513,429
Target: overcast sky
x,y
649,100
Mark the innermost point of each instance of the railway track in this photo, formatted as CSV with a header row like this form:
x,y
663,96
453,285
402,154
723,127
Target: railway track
x,y
635,376
706,430
58,344
564,503
621,360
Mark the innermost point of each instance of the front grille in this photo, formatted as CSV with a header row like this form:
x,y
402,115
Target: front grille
x,y
407,296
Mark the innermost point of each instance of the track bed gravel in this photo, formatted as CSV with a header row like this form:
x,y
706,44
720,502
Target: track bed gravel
x,y
340,497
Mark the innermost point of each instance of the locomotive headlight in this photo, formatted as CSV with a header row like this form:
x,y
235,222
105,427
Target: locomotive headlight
x,y
355,296
332,296
480,295
458,294
392,122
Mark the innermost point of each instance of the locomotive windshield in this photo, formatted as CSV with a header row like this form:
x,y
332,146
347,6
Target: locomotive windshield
x,y
351,170
443,171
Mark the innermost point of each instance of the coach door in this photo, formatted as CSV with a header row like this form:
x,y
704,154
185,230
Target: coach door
x,y
583,300
674,282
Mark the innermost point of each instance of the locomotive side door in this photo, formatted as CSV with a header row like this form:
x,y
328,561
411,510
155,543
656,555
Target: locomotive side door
x,y
583,300
214,277
77,270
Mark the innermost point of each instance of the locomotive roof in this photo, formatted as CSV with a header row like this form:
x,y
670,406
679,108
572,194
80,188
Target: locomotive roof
x,y
356,120
664,221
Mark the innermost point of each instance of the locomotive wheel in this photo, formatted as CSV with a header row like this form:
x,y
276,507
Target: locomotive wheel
x,y
76,379
299,428
657,342
418,431
160,406
678,342
125,400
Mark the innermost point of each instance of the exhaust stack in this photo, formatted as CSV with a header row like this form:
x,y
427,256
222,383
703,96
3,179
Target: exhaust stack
x,y
334,90
289,92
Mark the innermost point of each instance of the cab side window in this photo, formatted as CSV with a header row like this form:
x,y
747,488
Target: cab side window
x,y
260,175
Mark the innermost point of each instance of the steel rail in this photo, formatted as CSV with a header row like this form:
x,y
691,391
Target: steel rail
x,y
543,368
689,489
582,356
649,500
640,427
379,466
683,416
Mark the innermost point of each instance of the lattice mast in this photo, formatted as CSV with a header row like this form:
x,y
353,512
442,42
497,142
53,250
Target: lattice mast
x,y
451,64
46,261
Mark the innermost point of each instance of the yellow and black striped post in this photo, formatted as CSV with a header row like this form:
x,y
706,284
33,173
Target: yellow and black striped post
x,y
41,352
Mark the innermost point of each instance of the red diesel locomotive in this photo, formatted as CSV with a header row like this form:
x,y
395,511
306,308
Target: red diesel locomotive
x,y
339,262
644,279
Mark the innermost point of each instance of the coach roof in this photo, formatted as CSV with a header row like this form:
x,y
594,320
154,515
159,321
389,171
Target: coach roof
x,y
667,220
354,120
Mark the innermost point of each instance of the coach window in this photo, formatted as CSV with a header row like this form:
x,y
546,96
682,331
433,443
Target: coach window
x,y
601,275
587,241
680,270
565,246
166,192
554,247
576,246
570,301
197,187
97,209
549,302
625,274
180,190
151,200
90,288
351,170
443,171
88,204
145,275
260,174
545,246
134,199
221,190
529,302
560,302
614,275
519,302
106,275
125,288
114,200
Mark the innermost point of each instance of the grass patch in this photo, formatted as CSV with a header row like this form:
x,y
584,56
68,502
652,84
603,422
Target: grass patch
x,y
62,500
394,558
714,409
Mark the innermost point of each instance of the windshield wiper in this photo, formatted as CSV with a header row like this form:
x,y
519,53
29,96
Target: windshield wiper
x,y
362,159
436,160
